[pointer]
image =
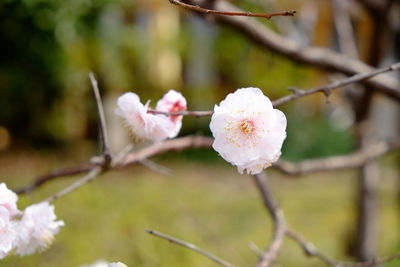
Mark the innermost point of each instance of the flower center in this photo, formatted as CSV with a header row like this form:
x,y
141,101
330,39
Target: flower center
x,y
247,126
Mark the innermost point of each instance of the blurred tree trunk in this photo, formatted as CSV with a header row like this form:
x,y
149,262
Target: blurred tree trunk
x,y
369,174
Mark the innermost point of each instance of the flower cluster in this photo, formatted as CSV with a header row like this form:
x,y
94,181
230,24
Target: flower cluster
x,y
248,131
25,232
145,125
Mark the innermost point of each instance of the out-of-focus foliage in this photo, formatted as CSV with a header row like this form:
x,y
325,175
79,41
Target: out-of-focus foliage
x,y
48,47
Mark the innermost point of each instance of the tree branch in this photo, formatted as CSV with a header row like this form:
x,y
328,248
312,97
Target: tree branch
x,y
191,247
335,163
126,158
93,173
297,93
278,219
316,56
326,89
196,8
103,127
54,175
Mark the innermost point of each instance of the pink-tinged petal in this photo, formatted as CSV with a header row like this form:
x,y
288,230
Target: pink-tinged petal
x,y
172,101
8,200
155,127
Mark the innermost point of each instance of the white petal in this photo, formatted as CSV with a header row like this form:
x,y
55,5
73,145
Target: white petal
x,y
247,131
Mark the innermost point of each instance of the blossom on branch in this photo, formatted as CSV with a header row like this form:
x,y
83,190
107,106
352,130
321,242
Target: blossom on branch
x,y
37,228
144,125
172,101
7,233
248,131
8,200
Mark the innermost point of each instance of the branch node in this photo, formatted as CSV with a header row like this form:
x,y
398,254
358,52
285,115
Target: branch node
x,y
294,90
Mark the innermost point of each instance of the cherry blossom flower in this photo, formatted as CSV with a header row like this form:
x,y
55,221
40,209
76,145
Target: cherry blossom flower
x,y
144,125
103,263
173,101
116,264
8,200
248,131
7,233
37,228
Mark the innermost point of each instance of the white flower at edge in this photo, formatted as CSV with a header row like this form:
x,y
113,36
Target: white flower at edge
x,y
8,200
103,263
142,124
173,101
37,228
248,131
116,264
7,233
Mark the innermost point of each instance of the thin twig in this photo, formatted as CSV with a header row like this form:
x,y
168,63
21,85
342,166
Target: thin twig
x,y
182,113
103,126
69,171
278,219
125,159
309,248
297,93
156,167
75,185
225,13
336,84
191,247
334,163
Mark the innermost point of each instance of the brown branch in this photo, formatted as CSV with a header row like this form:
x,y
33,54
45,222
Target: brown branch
x,y
93,173
278,219
297,93
334,163
169,145
312,251
309,248
103,127
326,89
54,175
191,247
182,113
196,8
316,56
124,159
281,228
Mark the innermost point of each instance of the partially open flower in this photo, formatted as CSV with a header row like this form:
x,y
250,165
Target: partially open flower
x,y
173,101
7,233
142,124
248,131
37,228
8,200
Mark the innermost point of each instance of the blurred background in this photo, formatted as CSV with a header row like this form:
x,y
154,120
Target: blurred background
x,y
48,120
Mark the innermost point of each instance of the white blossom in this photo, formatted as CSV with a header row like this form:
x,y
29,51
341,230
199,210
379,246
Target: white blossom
x,y
142,124
103,263
248,131
37,228
8,200
116,264
7,233
173,101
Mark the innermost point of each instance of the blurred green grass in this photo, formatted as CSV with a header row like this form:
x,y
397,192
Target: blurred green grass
x,y
210,205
